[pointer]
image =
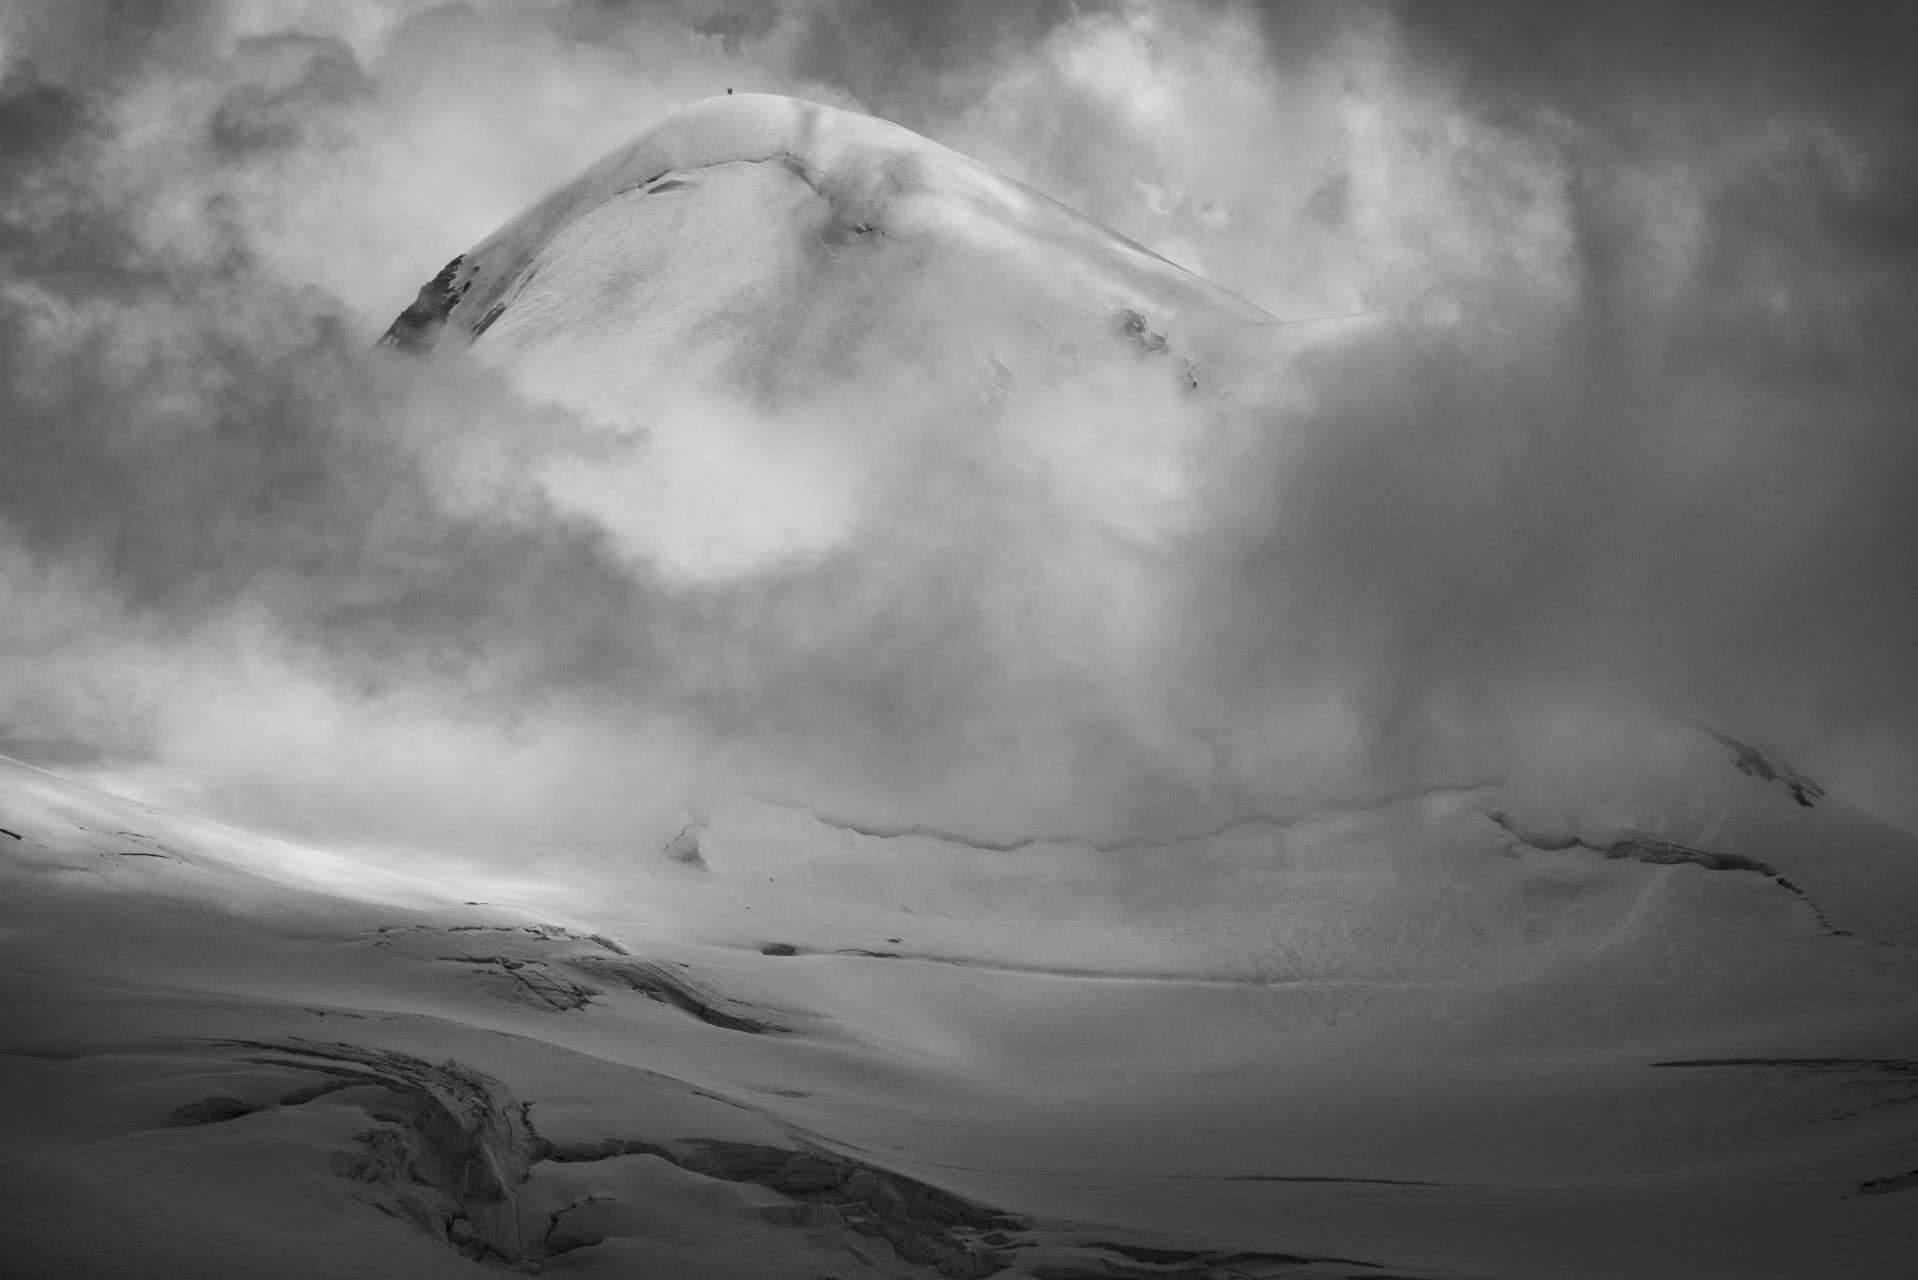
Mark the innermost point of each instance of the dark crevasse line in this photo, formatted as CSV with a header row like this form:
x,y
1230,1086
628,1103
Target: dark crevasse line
x,y
1658,852
452,1146
542,974
1276,821
670,986
1752,762
1886,1185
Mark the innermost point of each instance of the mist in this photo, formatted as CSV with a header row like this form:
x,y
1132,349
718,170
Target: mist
x,y
1592,396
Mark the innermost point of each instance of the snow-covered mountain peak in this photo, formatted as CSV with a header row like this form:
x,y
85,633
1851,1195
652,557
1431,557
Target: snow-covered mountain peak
x,y
748,227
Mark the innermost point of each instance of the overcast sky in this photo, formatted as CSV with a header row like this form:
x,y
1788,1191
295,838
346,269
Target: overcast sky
x,y
1635,425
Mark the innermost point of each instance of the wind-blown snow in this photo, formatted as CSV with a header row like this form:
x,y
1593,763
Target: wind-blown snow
x,y
754,273
911,981
869,181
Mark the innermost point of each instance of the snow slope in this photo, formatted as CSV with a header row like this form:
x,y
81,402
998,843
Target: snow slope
x,y
1648,1014
224,1051
749,234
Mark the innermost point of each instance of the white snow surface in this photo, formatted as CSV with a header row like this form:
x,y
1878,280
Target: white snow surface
x,y
756,280
1649,1016
752,224
1395,1037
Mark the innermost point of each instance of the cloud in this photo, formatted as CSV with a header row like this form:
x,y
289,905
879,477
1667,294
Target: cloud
x,y
1625,419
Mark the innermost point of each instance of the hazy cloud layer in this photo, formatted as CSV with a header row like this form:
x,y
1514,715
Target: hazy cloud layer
x,y
1627,417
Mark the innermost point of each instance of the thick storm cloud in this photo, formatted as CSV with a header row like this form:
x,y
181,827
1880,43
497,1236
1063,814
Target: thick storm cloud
x,y
1597,396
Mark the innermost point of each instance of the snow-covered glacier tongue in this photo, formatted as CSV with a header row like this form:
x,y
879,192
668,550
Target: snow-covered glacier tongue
x,y
991,925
